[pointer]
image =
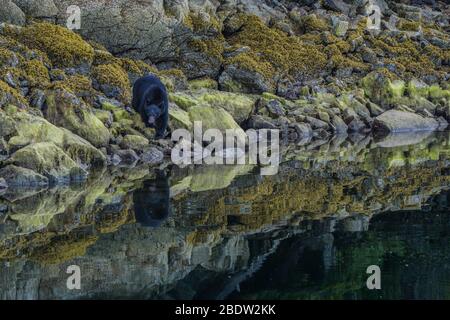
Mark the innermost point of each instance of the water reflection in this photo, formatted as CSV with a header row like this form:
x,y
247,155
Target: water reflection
x,y
227,232
151,202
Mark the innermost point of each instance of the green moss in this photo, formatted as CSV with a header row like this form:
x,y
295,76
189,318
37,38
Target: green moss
x,y
6,56
113,75
36,73
104,57
314,23
63,47
408,25
183,101
203,83
273,51
138,67
10,95
197,23
212,47
63,250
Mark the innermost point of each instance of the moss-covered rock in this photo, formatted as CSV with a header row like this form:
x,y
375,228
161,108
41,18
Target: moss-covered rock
x,y
113,81
135,142
238,105
10,95
178,118
64,47
65,110
22,177
49,160
215,118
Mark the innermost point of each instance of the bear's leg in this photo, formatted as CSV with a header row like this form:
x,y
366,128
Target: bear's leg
x,y
161,126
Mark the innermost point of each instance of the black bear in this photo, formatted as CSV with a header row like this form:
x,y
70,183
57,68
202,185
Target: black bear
x,y
150,100
151,202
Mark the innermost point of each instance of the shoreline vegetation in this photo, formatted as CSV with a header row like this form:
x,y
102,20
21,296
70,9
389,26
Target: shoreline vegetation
x,y
313,70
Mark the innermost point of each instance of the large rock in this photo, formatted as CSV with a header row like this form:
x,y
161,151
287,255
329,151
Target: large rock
x,y
37,8
402,121
239,106
49,160
21,177
26,129
11,13
66,110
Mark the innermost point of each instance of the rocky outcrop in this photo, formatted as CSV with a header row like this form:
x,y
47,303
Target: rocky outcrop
x,y
401,121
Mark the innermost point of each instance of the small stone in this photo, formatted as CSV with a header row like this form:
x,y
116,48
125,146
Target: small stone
x,y
275,108
340,28
129,157
303,130
152,156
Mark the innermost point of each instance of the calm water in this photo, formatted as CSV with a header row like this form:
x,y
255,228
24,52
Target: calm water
x,y
309,232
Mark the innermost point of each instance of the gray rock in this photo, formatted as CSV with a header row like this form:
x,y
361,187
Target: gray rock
x,y
303,130
338,124
37,99
402,121
337,5
21,177
128,157
317,123
38,8
235,79
11,13
275,108
261,122
152,156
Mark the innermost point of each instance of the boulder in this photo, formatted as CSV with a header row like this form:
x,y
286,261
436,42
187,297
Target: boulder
x,y
402,121
31,129
22,177
66,110
11,13
239,106
215,118
38,8
49,160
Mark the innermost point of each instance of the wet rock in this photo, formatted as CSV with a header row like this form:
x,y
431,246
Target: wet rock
x,y
374,109
356,125
66,110
303,130
11,13
339,125
317,123
401,121
49,160
274,108
128,157
22,177
261,122
114,159
152,155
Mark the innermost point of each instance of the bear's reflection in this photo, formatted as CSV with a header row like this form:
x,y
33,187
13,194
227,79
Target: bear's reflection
x,y
151,202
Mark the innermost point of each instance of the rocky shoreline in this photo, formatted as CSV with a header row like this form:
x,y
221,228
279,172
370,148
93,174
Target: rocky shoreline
x,y
311,69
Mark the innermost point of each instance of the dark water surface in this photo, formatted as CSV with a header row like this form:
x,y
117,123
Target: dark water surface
x,y
309,232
